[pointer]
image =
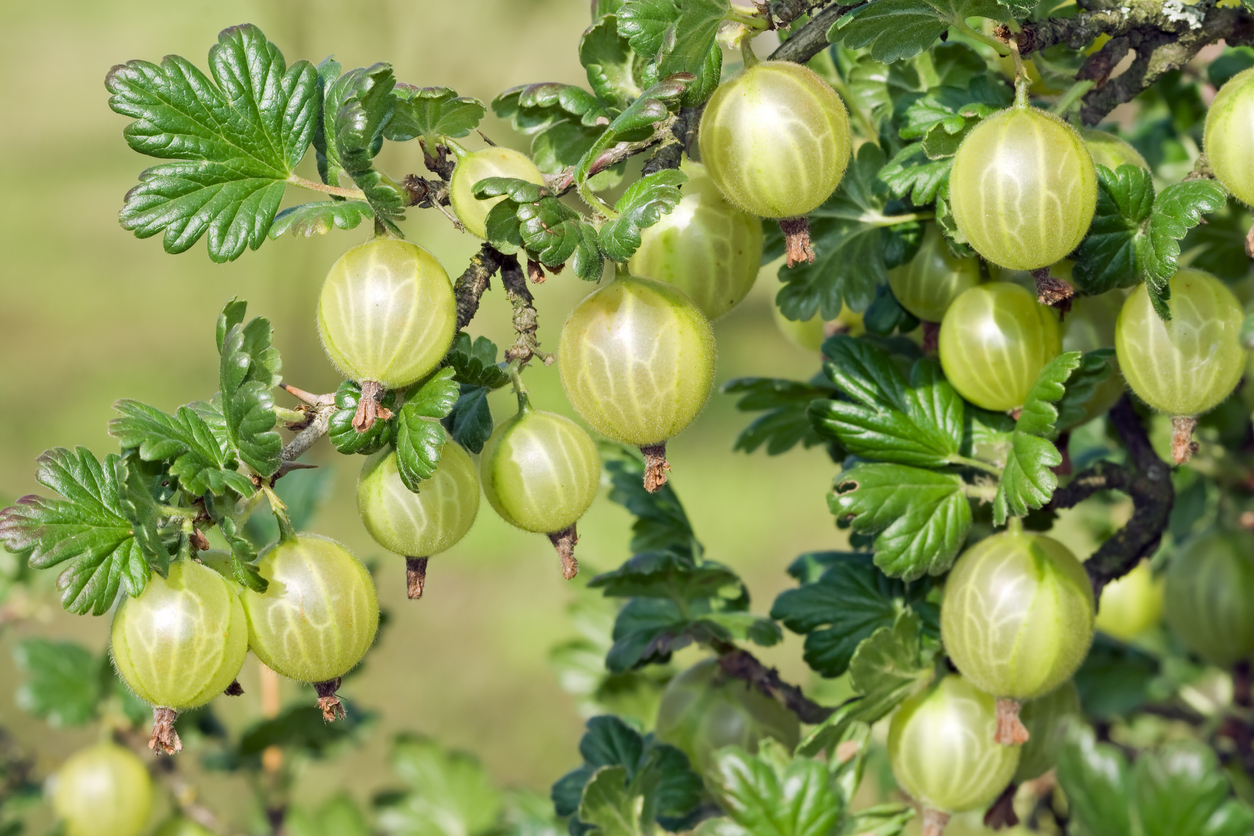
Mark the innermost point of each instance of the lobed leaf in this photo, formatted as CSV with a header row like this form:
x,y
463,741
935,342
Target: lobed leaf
x,y
608,59
198,457
912,174
449,793
661,522
248,369
432,112
641,205
62,681
420,437
774,793
1108,256
319,217
1177,209
360,125
889,667
237,138
897,29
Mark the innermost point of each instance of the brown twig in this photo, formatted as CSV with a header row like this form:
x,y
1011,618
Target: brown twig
x,y
472,284
319,409
526,321
744,665
811,39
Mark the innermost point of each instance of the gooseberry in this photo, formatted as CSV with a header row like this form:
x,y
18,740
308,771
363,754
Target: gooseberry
x,y
319,614
1046,721
183,640
103,790
387,313
637,361
1209,595
706,247
1089,326
941,749
703,710
1017,617
775,140
1131,605
1190,363
929,283
1111,151
994,340
1229,137
1023,188
480,165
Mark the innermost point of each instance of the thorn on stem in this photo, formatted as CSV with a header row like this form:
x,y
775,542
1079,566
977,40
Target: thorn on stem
x,y
415,576
328,701
164,737
655,466
564,541
1182,444
1010,729
368,407
234,689
797,240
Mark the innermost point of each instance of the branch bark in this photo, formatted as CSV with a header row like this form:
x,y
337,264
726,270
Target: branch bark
x,y
811,39
471,284
526,321
745,666
1146,479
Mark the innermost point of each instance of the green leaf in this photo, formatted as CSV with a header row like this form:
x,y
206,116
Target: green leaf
x,y
1182,788
661,522
786,422
638,120
889,667
1115,679
198,458
86,528
647,631
135,498
1028,481
420,437
248,369
608,806
897,29
319,217
952,111
1107,257
641,206
470,422
607,57
237,139
360,124
449,793
63,682
432,112
912,174
243,557
340,816
1177,209
1093,370
344,435
771,793
564,121
916,421
688,45
920,517
301,731
1218,246
665,574
474,362
849,602
848,238
1095,778
645,23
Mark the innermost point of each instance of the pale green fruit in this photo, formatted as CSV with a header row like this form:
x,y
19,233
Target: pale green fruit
x,y
480,165
1229,139
1023,188
1090,325
319,615
637,360
1017,615
103,790
1131,605
425,523
1046,721
387,313
1209,595
183,640
540,471
941,748
1189,364
929,283
1111,151
706,247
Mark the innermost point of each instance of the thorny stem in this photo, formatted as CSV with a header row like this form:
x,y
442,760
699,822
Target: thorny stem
x,y
471,284
564,541
314,186
415,576
526,321
1146,479
811,39
319,420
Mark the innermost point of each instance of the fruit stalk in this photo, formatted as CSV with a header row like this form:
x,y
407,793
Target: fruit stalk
x,y
655,466
564,541
1052,291
415,576
1182,444
328,701
164,737
797,240
934,822
1010,730
368,407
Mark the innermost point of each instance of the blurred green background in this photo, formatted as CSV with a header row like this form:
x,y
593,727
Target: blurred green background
x,y
91,314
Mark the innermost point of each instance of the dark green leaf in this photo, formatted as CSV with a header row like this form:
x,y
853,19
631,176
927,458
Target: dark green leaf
x,y
344,435
609,807
951,112
563,121
1107,257
1028,480
135,498
647,631
1095,778
420,437
896,29
450,793
641,206
786,422
1232,60
319,217
248,370
912,174
687,46
1115,679
474,362
920,517
360,124
243,557
550,230
889,667
300,730
86,528
1218,246
1182,788
886,315
62,681
845,605
773,793
638,120
237,139
661,522
1177,209
432,112
916,421
197,456
1093,370
470,422
644,23
607,57
665,574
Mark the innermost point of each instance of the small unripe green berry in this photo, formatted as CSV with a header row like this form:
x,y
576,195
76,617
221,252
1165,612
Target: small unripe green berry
x,y
480,165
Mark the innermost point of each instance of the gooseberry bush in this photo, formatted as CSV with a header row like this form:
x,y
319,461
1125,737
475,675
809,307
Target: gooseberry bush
x,y
1019,235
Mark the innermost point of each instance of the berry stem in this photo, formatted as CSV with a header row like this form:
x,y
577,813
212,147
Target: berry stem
x,y
934,822
368,407
655,466
564,541
164,737
1052,291
328,701
520,388
797,240
415,576
1182,444
1010,729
